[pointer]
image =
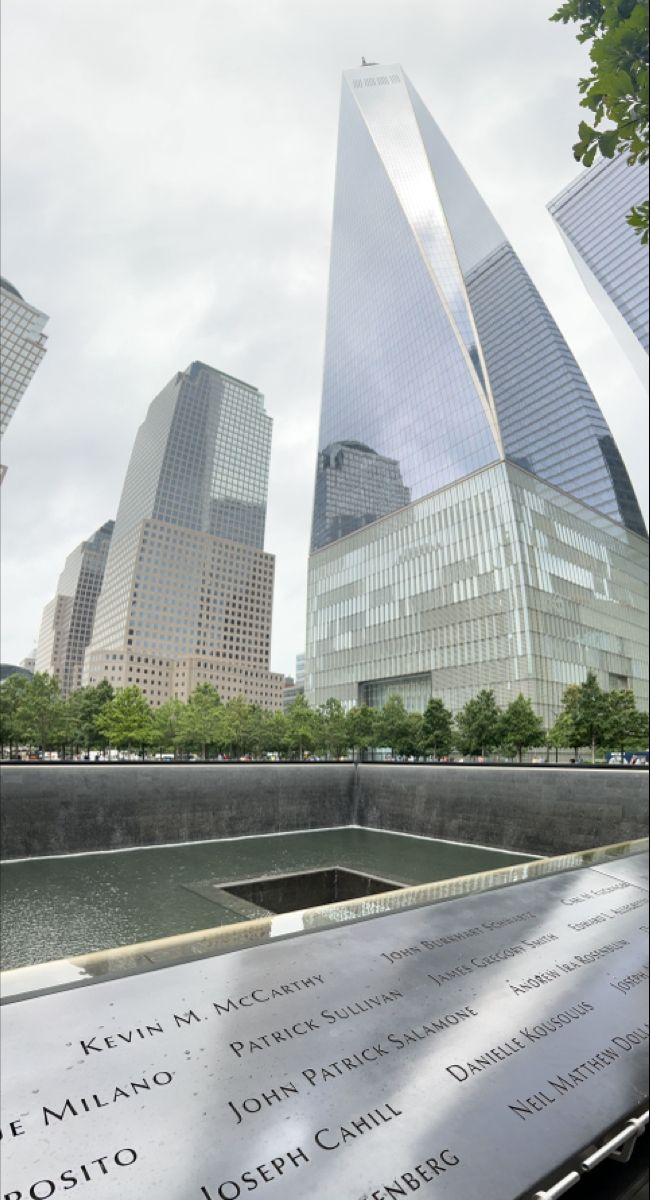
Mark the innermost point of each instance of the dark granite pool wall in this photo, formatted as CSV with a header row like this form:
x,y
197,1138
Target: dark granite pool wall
x,y
535,810
65,810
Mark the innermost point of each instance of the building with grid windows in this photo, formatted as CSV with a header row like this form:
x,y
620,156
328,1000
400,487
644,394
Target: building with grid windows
x,y
22,346
68,618
474,525
188,590
610,258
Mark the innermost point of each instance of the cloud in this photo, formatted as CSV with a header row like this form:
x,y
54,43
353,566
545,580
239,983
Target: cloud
x,y
167,194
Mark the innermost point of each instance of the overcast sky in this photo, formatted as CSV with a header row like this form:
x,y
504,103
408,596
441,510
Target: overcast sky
x,y
167,185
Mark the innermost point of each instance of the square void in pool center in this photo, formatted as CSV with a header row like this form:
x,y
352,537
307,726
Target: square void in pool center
x,y
284,893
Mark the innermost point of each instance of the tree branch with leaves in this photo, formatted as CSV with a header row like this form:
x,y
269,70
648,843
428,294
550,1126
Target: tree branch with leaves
x,y
616,89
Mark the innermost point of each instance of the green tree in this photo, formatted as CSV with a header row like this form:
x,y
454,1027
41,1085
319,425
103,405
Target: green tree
x,y
257,730
393,726
167,721
616,89
361,728
41,713
86,705
478,725
235,725
410,743
201,721
560,734
625,725
127,720
12,697
585,705
275,738
334,729
300,727
436,736
521,728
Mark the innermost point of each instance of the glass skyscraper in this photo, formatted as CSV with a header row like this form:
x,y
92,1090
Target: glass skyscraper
x,y
188,590
610,258
67,621
469,495
22,346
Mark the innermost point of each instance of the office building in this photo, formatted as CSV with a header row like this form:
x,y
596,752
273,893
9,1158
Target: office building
x,y
294,685
67,621
609,256
501,544
22,346
188,590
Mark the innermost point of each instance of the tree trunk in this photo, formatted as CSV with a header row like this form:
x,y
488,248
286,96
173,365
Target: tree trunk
x,y
593,748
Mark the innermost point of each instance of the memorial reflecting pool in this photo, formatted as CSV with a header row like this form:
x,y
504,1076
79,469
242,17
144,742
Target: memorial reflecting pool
x,y
56,907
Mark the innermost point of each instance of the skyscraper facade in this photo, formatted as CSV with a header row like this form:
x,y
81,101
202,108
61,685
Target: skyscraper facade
x,y
501,543
610,258
188,590
67,621
22,346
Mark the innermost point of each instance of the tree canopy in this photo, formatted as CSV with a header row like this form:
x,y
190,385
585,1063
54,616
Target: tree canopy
x,y
127,719
521,728
616,89
34,716
436,733
478,725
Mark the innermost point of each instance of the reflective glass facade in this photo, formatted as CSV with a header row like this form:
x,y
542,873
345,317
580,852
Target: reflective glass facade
x,y
22,346
613,263
188,590
201,458
441,357
474,524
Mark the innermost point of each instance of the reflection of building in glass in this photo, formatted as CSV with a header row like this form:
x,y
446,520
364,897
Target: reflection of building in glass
x,y
354,486
22,346
188,590
294,687
513,558
611,259
67,621
291,690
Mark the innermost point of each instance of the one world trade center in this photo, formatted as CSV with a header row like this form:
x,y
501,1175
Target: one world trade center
x,y
474,524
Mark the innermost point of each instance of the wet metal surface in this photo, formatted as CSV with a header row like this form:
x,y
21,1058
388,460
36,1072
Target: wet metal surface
x,y
471,1047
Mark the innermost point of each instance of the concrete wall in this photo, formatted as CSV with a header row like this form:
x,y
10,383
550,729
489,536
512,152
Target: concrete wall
x,y
65,810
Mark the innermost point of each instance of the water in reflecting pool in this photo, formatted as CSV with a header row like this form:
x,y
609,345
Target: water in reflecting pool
x,y
55,907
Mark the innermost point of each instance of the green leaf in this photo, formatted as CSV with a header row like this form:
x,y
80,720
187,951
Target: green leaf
x,y
589,156
639,219
608,143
